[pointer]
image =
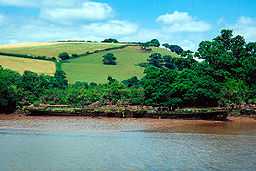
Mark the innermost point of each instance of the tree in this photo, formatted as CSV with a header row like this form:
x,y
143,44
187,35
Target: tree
x,y
234,92
153,42
156,60
109,59
8,97
230,54
8,90
159,61
157,84
168,62
110,40
64,56
174,48
111,80
166,45
132,82
225,38
61,80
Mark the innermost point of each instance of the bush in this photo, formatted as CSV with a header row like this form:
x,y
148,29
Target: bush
x,y
74,55
109,59
64,56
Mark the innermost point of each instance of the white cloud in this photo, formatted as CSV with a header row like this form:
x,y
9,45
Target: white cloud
x,y
40,30
182,22
65,10
144,34
245,20
87,11
2,19
90,20
113,27
246,26
41,3
175,17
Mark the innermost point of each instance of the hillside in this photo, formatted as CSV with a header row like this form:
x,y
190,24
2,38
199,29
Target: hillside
x,y
87,68
91,69
54,49
22,64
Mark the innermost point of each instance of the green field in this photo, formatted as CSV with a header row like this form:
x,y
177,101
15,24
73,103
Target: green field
x,y
22,64
91,69
87,68
56,49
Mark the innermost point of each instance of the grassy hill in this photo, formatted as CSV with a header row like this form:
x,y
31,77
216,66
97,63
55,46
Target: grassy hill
x,y
87,68
91,69
22,64
54,49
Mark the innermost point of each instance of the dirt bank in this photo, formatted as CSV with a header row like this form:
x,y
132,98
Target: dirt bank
x,y
235,125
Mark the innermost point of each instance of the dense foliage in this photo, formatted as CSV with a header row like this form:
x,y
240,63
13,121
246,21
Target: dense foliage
x,y
109,59
64,56
174,48
110,40
226,75
153,42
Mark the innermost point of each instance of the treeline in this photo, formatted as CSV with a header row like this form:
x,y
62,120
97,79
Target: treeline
x,y
225,76
20,90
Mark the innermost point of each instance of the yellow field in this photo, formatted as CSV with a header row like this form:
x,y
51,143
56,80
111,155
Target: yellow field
x,y
22,64
22,45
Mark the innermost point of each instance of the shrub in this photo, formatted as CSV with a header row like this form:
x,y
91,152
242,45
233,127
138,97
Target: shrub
x,y
109,59
64,56
74,55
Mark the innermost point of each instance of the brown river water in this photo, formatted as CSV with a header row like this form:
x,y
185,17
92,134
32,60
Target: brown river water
x,y
79,143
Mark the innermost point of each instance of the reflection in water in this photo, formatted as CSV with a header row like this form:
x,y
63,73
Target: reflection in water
x,y
114,144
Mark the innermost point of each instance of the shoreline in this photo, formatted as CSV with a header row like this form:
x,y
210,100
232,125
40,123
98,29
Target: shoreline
x,y
15,116
235,125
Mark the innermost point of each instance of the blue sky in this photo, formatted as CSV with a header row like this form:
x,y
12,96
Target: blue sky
x,y
183,22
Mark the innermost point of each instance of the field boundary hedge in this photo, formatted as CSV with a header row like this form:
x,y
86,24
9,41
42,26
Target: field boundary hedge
x,y
45,58
101,50
55,59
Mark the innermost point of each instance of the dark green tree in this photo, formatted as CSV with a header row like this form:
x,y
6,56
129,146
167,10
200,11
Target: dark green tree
x,y
156,60
8,97
61,80
132,82
64,56
153,42
168,62
174,48
109,59
110,40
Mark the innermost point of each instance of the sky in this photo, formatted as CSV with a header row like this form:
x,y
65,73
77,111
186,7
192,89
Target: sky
x,y
182,22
